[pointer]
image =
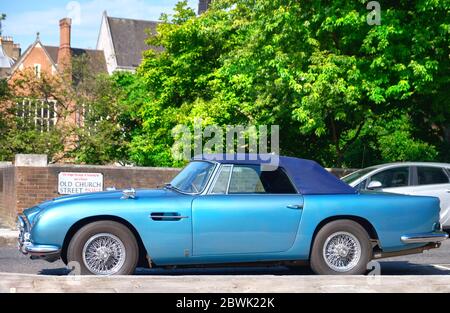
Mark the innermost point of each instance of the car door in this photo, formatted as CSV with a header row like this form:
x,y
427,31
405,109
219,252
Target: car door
x,y
433,181
246,211
395,179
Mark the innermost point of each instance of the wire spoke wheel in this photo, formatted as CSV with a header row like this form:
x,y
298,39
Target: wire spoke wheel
x,y
104,254
342,251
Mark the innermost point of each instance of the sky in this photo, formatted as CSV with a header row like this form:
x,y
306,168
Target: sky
x,y
24,18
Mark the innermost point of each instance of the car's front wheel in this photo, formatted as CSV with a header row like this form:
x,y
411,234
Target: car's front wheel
x,y
104,248
341,247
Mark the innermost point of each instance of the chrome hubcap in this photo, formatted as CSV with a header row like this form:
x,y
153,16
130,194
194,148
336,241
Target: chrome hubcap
x,y
342,251
104,254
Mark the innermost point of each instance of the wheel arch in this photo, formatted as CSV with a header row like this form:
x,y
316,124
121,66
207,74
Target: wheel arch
x,y
358,219
88,220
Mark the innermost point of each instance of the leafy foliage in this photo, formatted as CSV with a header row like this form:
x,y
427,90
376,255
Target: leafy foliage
x,y
343,92
91,125
103,136
20,131
331,81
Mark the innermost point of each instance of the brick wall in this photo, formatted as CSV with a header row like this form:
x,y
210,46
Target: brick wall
x,y
24,187
38,56
7,192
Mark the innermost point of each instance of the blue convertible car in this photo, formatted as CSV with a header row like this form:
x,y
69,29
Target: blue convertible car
x,y
232,210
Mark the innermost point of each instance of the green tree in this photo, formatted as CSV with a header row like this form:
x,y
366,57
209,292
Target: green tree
x,y
315,68
104,131
20,130
91,125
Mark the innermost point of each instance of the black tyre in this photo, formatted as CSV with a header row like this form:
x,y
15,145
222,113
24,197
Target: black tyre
x,y
341,247
104,248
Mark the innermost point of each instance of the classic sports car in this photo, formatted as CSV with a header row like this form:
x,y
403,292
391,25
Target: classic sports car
x,y
222,211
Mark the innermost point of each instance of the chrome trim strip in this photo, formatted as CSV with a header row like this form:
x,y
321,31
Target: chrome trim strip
x,y
172,217
41,249
24,220
435,236
229,179
208,183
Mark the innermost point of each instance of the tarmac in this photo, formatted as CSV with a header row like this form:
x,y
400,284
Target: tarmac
x,y
238,282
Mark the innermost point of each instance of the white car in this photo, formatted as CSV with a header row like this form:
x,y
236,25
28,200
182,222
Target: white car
x,y
410,178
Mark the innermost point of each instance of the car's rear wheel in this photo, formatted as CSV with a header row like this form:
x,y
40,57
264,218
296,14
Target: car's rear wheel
x,y
104,248
341,247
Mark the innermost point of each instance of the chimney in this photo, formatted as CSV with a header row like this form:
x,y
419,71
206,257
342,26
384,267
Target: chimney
x,y
17,51
64,53
8,47
203,6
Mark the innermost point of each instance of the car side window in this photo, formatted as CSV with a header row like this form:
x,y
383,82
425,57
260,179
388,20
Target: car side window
x,y
221,183
431,176
246,179
394,177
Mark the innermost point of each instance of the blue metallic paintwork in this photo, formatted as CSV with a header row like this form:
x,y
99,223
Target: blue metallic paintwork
x,y
164,239
247,227
224,224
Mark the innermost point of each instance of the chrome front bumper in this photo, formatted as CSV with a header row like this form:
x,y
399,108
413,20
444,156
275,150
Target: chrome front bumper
x,y
46,252
432,237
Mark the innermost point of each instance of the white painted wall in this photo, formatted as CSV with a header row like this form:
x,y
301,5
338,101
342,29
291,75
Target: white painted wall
x,y
105,43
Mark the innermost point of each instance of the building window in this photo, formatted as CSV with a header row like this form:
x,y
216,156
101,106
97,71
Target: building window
x,y
41,114
37,70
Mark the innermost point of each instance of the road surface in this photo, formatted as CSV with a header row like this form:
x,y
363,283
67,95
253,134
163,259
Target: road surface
x,y
433,262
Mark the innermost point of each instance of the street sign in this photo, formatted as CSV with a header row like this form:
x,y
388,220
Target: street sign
x,y
73,183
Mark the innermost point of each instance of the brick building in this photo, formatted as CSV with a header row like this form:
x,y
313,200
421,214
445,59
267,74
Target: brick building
x,y
55,61
58,60
120,47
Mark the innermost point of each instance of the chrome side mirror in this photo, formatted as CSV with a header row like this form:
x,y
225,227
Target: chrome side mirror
x,y
129,194
374,184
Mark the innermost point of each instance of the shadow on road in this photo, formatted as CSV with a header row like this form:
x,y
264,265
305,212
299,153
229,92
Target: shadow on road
x,y
407,268
387,269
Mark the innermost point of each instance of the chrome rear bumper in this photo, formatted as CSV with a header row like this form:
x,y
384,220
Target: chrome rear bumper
x,y
436,236
46,252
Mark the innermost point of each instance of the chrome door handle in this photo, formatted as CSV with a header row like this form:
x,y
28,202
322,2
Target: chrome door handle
x,y
167,217
295,206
